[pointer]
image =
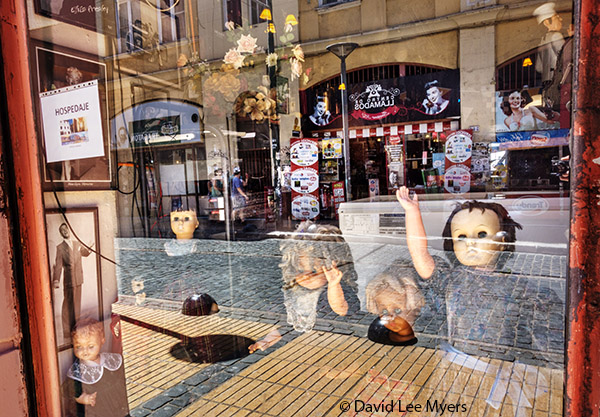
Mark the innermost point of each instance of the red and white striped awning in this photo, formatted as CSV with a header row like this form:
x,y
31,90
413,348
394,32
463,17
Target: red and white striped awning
x,y
408,129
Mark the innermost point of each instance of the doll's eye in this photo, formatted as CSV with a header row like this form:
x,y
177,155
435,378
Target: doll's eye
x,y
462,237
482,235
397,311
176,219
187,219
385,313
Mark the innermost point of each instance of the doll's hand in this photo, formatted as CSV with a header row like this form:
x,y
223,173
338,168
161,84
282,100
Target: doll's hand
x,y
87,399
333,274
407,203
265,343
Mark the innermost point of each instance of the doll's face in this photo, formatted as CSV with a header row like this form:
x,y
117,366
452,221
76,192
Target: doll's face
x,y
389,308
476,236
214,309
388,303
183,223
87,347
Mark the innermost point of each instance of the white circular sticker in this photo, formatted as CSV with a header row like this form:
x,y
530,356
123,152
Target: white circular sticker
x,y
304,153
305,180
457,179
458,148
305,207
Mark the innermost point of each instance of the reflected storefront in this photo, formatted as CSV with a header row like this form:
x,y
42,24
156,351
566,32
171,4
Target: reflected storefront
x,y
215,245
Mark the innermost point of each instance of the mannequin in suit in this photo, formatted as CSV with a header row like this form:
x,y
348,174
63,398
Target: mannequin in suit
x,y
68,263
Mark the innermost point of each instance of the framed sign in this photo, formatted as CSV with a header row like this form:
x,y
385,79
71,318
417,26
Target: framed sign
x,y
74,269
73,106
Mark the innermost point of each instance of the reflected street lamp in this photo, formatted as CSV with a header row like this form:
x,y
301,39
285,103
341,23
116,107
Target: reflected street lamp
x,y
267,15
342,50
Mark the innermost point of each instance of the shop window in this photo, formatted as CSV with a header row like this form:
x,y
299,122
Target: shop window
x,y
147,25
255,9
232,12
219,165
532,169
333,2
379,72
519,72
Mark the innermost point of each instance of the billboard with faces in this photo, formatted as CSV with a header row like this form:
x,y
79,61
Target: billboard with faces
x,y
403,99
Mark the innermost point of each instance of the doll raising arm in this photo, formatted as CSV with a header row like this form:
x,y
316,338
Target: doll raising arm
x,y
335,293
416,238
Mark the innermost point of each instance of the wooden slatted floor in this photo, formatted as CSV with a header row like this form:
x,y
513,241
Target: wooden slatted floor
x,y
314,373
149,366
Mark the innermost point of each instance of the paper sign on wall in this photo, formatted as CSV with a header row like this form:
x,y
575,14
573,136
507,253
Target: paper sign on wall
x,y
72,122
332,148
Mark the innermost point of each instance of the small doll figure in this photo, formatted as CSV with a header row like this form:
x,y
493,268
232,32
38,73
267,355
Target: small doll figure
x,y
95,383
396,299
183,224
318,274
478,239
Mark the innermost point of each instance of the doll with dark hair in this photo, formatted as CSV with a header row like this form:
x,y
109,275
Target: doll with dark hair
x,y
507,234
479,238
318,274
199,305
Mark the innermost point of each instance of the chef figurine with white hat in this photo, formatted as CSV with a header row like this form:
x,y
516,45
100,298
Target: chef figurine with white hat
x,y
551,43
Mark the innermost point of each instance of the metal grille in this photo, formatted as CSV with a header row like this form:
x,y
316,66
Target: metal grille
x,y
257,163
513,75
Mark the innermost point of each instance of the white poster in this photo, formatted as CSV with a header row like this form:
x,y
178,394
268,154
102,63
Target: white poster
x,y
305,207
305,180
72,122
304,153
458,147
457,179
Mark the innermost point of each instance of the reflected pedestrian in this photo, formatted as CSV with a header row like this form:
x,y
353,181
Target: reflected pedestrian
x,y
238,194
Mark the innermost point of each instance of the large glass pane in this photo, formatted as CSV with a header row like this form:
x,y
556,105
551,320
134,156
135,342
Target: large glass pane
x,y
306,208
